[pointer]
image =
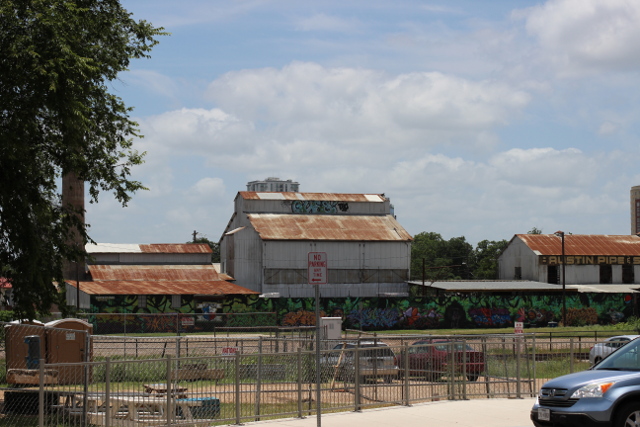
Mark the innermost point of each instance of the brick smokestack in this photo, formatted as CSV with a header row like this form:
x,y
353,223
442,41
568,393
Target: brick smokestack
x,y
73,199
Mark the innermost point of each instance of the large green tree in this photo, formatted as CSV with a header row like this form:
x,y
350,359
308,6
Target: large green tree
x,y
434,258
485,257
57,59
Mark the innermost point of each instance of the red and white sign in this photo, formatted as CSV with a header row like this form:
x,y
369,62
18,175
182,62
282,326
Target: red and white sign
x,y
317,268
187,321
229,351
518,327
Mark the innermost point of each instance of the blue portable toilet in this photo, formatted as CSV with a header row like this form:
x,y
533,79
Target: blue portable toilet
x,y
33,351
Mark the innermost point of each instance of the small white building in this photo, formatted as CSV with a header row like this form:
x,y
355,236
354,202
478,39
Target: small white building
x,y
265,246
273,184
590,259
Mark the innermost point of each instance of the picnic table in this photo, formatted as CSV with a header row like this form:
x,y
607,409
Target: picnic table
x,y
161,389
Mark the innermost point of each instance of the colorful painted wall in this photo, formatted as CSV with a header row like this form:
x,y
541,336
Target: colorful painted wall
x,y
479,310
447,311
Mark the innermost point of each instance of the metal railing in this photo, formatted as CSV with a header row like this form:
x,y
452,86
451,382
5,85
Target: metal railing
x,y
182,382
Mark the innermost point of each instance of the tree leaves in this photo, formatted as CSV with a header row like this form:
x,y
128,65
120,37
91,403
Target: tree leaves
x,y
57,116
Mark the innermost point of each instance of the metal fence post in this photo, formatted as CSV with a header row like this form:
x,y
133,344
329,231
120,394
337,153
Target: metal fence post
x,y
107,391
535,363
571,355
407,371
356,382
170,393
237,387
41,373
518,376
452,371
258,379
299,364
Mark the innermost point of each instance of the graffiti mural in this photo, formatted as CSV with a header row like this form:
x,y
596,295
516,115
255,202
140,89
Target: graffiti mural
x,y
428,312
448,311
317,207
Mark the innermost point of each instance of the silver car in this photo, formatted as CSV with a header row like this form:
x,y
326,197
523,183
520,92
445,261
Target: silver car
x,y
376,360
608,346
606,395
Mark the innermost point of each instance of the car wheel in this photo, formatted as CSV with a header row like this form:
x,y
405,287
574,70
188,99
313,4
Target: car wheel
x,y
472,377
597,360
628,415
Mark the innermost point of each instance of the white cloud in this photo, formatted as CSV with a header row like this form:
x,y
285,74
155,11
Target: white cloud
x,y
587,34
355,107
208,188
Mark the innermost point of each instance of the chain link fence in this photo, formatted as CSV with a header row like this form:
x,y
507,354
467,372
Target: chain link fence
x,y
179,323
202,381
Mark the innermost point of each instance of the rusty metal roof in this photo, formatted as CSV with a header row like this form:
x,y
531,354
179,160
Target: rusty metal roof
x,y
329,227
164,248
170,248
583,244
154,272
329,197
144,287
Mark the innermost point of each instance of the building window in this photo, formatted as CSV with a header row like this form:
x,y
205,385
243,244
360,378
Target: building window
x,y
552,274
142,301
518,273
628,275
176,301
605,274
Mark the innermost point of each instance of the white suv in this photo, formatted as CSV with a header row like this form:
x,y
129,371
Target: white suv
x,y
376,360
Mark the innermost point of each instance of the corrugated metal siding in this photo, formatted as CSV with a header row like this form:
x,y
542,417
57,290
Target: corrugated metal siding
x,y
583,244
143,287
340,255
158,258
328,227
154,272
244,258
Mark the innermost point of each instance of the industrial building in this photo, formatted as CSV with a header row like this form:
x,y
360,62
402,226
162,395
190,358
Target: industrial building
x,y
590,260
266,243
178,275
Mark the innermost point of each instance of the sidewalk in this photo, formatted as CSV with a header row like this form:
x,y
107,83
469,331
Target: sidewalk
x,y
450,413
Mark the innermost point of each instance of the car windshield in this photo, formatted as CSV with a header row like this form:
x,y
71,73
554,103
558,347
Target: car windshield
x,y
627,358
456,347
366,350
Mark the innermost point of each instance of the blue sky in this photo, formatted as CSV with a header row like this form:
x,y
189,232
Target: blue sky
x,y
477,119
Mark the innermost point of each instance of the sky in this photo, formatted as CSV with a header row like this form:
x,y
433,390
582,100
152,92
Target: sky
x,y
481,119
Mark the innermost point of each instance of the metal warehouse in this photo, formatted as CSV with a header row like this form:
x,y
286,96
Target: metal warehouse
x,y
265,245
589,259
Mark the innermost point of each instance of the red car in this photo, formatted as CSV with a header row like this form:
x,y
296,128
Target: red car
x,y
432,359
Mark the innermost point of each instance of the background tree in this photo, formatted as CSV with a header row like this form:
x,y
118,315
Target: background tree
x,y
486,259
57,58
439,256
215,247
534,230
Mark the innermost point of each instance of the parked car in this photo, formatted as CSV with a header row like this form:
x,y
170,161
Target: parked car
x,y
376,360
607,394
608,346
433,358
